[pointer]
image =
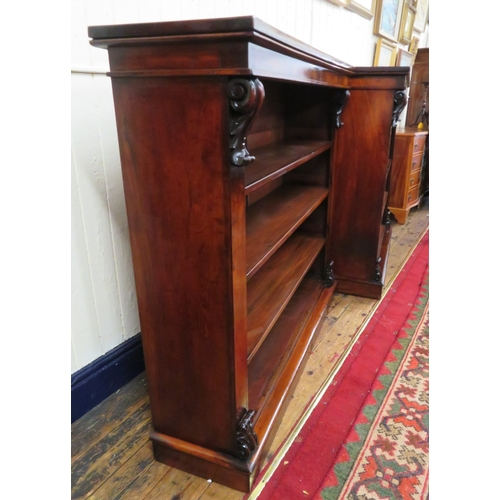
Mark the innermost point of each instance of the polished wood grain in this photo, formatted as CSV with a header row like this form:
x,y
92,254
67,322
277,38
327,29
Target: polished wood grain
x,y
186,310
274,160
274,285
279,396
264,367
419,74
274,218
361,182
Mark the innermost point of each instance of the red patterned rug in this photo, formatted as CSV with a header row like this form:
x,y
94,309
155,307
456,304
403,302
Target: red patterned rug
x,y
368,436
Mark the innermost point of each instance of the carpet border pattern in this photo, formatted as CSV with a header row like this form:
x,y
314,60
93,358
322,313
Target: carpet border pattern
x,y
340,483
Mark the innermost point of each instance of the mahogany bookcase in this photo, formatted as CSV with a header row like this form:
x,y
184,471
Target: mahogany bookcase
x,y
256,173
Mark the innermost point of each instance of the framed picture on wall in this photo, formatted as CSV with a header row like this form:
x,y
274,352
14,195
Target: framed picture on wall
x,y
365,8
342,3
414,45
385,53
388,18
421,15
407,20
404,58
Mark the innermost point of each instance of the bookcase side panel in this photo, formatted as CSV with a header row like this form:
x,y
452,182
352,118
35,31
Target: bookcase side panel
x,y
174,153
361,166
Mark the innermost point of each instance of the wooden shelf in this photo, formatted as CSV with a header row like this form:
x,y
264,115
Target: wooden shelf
x,y
270,290
276,159
273,218
263,369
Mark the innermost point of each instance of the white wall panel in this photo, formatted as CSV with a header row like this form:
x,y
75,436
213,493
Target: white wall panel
x,y
104,302
84,327
91,182
116,206
80,48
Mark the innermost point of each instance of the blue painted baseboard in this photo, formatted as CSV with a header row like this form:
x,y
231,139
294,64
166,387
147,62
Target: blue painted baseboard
x,y
104,376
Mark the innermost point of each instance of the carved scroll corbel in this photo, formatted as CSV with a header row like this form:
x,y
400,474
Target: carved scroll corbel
x,y
245,435
399,104
378,270
339,101
387,218
329,276
246,97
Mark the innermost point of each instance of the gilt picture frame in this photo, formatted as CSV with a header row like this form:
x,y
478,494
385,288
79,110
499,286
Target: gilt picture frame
x,y
414,45
341,3
404,58
421,15
365,8
407,21
385,53
388,19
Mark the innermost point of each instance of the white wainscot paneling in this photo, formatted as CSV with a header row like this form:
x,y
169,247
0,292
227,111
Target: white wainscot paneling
x,y
86,345
104,302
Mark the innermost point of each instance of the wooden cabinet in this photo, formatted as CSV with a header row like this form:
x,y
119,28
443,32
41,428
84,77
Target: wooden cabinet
x,y
361,226
406,176
419,90
227,131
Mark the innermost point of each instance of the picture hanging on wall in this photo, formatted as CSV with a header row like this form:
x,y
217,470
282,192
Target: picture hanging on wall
x,y
414,45
388,19
385,53
421,15
407,20
404,58
365,8
342,3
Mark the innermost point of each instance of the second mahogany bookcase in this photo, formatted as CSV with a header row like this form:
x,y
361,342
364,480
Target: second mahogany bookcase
x,y
255,171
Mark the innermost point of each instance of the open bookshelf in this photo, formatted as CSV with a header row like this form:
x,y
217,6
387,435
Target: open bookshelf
x,y
241,185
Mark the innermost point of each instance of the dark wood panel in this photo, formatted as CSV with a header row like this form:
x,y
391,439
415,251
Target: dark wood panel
x,y
274,160
181,239
273,286
273,218
360,175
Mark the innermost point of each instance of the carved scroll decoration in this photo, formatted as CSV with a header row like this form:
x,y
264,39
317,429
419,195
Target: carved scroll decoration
x,y
246,97
399,104
330,278
387,218
378,270
340,100
245,435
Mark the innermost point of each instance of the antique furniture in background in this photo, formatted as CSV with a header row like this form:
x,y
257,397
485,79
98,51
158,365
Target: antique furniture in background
x,y
406,188
256,175
419,89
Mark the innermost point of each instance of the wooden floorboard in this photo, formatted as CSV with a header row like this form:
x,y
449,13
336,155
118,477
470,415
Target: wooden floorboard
x,y
111,452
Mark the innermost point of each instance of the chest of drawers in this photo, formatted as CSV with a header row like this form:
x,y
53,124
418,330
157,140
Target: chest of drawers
x,y
406,173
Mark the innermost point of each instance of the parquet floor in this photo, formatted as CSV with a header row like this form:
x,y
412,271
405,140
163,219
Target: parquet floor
x,y
111,454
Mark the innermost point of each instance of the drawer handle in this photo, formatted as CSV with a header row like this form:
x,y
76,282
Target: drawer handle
x,y
415,147
413,163
409,197
412,180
